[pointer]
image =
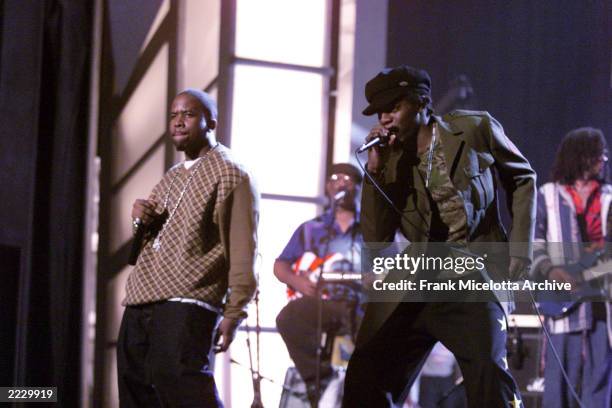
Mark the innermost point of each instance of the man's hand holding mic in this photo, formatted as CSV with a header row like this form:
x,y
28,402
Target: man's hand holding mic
x,y
143,213
378,153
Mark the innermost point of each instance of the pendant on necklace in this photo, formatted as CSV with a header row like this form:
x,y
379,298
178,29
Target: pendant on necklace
x,y
156,244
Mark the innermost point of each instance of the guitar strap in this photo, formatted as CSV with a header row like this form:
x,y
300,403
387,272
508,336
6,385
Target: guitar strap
x,y
581,216
307,237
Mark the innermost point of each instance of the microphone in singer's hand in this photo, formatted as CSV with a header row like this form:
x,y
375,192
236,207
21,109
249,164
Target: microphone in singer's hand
x,y
379,140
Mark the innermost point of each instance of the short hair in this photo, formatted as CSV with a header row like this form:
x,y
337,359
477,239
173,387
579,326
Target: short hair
x,y
208,103
577,153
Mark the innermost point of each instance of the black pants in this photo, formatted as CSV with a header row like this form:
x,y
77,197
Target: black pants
x,y
440,392
162,356
382,369
297,324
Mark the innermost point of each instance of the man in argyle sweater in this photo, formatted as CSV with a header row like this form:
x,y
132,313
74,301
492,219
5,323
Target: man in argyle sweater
x,y
196,264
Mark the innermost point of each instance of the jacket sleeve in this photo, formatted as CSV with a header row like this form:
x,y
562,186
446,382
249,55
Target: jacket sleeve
x,y
519,182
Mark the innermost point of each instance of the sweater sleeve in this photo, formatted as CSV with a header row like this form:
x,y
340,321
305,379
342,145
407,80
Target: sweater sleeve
x,y
239,216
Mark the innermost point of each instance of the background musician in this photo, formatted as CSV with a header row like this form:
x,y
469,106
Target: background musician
x,y
329,242
575,207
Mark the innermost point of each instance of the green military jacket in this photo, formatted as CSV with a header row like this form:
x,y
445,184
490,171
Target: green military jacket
x,y
475,148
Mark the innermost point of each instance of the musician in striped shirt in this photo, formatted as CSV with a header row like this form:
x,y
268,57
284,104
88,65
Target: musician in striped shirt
x,y
575,207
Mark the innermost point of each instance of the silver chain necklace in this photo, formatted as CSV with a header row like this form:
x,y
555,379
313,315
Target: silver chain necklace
x,y
158,240
430,155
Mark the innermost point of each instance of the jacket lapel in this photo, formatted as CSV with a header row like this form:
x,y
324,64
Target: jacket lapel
x,y
452,145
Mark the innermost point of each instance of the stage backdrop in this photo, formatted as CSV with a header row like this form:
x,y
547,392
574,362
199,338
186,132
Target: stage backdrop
x,y
541,68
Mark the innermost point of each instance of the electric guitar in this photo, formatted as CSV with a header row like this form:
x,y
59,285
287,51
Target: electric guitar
x,y
320,270
588,269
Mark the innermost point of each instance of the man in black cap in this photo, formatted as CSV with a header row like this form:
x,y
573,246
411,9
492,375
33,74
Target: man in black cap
x,y
330,242
440,174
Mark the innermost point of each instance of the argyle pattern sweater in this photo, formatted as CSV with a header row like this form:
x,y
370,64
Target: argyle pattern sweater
x,y
208,247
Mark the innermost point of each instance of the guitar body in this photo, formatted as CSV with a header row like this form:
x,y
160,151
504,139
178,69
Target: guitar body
x,y
334,281
557,310
562,307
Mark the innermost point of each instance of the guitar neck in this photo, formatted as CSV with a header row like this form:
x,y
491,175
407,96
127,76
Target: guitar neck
x,y
597,271
338,276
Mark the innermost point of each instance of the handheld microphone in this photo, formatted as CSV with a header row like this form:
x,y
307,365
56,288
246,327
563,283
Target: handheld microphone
x,y
136,242
339,195
376,141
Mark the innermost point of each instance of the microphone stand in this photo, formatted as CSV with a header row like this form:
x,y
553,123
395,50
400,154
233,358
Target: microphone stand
x,y
289,390
255,374
320,342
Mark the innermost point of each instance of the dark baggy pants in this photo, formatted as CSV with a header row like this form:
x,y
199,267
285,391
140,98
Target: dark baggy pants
x,y
382,369
162,356
440,392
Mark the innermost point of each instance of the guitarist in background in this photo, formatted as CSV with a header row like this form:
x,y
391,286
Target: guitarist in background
x,y
329,242
575,207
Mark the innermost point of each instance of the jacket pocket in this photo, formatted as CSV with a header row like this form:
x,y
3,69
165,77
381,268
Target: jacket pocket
x,y
480,176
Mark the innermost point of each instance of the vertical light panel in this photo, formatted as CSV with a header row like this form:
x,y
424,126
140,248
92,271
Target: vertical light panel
x,y
277,128
143,119
282,31
198,43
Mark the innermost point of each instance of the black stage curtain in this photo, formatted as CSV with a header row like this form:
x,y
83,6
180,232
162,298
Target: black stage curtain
x,y
44,77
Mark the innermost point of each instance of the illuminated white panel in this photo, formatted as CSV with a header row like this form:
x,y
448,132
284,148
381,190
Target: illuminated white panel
x,y
277,128
278,220
198,43
143,119
138,186
282,30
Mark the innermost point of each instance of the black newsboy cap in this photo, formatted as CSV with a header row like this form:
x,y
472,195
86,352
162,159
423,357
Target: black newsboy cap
x,y
391,83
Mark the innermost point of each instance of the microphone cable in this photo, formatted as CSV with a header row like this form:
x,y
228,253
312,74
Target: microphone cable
x,y
386,197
